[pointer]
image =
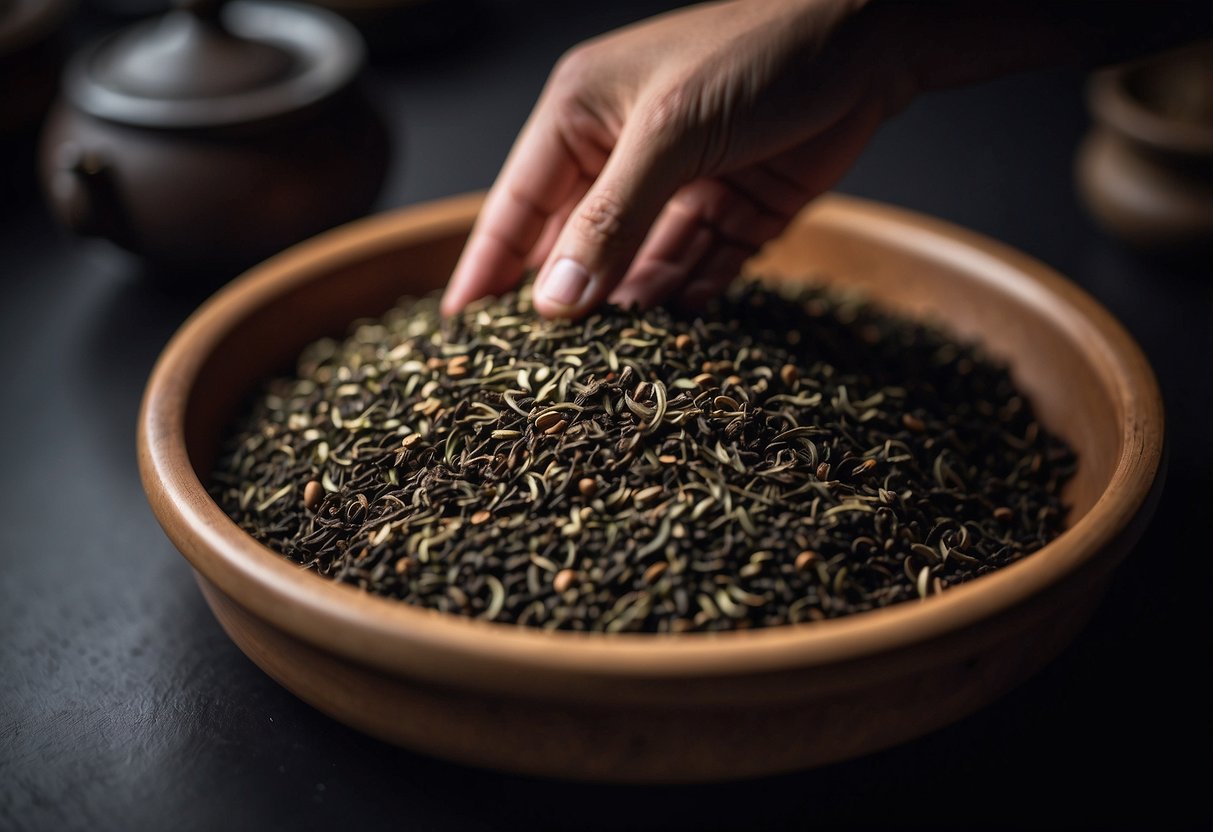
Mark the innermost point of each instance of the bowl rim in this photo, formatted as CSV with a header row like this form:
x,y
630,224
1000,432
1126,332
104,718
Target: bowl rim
x,y
468,653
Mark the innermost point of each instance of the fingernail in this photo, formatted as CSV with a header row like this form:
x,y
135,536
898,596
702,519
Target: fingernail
x,y
564,283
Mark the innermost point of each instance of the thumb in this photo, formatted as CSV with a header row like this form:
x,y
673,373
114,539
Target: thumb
x,y
605,230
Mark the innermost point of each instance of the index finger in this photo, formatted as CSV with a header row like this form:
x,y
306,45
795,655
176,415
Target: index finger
x,y
538,178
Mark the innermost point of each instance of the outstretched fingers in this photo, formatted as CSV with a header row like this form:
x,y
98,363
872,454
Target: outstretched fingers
x,y
537,182
705,219
713,225
603,233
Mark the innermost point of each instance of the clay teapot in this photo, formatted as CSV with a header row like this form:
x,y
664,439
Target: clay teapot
x,y
216,135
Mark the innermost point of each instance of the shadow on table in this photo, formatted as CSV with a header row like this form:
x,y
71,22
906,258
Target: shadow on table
x,y
1174,326
129,321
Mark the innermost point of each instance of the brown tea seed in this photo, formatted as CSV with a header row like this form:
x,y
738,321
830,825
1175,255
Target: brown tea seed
x,y
655,571
645,495
481,517
705,380
588,486
563,580
913,423
547,420
556,428
313,493
863,467
805,559
682,341
667,459
788,374
1003,514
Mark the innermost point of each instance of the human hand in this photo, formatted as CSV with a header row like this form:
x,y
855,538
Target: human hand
x,y
661,156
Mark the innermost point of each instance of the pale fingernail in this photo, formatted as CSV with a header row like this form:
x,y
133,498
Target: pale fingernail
x,y
565,283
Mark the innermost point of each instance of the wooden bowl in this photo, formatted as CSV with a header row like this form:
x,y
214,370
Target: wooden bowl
x,y
646,708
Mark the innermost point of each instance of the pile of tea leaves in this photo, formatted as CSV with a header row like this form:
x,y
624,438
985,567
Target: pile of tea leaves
x,y
780,458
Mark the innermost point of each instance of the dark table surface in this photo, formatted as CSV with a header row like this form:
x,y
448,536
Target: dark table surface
x,y
124,706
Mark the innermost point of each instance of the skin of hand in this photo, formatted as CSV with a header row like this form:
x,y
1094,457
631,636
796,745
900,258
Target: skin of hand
x,y
661,156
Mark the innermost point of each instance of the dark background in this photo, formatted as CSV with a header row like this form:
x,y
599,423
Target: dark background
x,y
124,706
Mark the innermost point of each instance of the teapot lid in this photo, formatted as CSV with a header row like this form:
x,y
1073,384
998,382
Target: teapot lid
x,y
208,63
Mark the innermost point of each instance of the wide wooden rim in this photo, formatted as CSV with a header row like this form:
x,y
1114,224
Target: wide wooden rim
x,y
468,653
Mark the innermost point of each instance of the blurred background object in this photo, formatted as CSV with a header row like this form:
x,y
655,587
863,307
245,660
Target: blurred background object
x,y
1145,171
31,50
211,137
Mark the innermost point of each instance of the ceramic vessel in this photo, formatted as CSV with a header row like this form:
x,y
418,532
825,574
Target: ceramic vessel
x,y
678,708
1145,170
216,135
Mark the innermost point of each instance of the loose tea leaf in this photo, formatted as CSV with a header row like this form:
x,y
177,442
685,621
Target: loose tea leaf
x,y
775,460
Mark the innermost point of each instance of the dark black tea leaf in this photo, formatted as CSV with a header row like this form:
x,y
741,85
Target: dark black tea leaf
x,y
772,461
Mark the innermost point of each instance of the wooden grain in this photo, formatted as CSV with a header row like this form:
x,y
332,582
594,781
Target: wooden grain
x,y
645,708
